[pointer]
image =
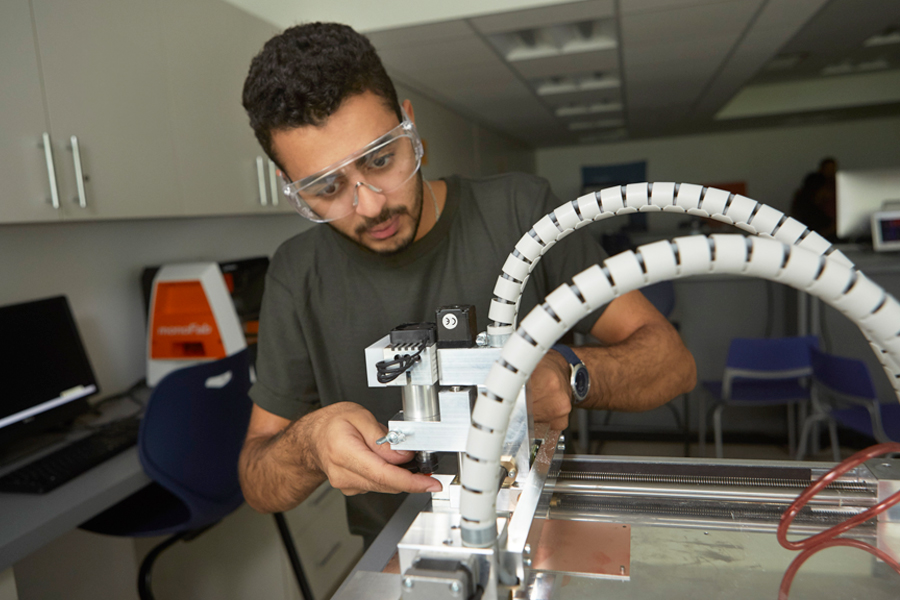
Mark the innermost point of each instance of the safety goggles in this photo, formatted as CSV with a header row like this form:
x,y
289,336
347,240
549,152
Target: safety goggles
x,y
382,166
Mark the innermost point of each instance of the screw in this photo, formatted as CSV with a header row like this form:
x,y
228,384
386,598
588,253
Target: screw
x,y
481,339
513,473
392,437
407,582
527,562
622,569
455,588
527,549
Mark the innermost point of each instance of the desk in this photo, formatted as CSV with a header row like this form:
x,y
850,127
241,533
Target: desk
x,y
31,521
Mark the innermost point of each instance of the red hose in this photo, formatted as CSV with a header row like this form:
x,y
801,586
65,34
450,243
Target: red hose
x,y
826,539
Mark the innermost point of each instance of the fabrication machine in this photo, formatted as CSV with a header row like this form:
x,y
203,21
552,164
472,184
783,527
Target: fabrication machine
x,y
517,518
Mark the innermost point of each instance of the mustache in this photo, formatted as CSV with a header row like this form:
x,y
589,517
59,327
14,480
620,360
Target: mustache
x,y
386,215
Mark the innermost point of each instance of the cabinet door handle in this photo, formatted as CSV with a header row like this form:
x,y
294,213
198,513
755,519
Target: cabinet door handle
x,y
79,172
273,184
51,170
261,179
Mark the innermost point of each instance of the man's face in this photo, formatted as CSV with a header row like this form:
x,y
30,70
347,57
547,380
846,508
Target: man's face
x,y
382,222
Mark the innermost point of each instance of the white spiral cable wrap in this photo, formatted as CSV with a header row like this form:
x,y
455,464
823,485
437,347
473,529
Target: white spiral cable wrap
x,y
701,201
830,277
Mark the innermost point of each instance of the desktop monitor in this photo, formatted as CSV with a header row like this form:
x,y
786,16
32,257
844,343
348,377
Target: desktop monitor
x,y
45,371
861,193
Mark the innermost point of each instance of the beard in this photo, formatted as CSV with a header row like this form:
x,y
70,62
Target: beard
x,y
401,243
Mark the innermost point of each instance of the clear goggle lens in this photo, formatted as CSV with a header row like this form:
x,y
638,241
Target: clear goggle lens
x,y
383,166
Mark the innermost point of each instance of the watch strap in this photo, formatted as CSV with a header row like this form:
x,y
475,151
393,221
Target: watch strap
x,y
568,354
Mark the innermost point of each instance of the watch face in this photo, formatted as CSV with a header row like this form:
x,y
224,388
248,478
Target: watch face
x,y
581,383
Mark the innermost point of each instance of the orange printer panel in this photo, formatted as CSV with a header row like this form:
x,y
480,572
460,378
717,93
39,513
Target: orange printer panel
x,y
183,323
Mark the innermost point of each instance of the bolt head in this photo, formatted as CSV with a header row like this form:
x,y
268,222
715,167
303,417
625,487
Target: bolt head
x,y
527,549
527,562
407,582
455,587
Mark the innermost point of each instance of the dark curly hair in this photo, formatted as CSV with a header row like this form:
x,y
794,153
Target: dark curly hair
x,y
304,74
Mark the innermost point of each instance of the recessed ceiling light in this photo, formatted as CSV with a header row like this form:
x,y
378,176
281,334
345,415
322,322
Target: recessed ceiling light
x,y
556,40
585,83
891,35
601,124
847,67
585,109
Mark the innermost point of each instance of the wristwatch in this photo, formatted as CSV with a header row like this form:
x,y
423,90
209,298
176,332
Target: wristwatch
x,y
580,379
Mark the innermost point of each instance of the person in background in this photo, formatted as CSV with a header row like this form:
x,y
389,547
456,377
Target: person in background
x,y
815,203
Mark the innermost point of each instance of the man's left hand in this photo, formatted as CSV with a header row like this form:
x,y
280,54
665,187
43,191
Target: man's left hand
x,y
550,390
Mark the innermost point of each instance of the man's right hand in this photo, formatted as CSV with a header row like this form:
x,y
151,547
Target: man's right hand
x,y
344,449
283,462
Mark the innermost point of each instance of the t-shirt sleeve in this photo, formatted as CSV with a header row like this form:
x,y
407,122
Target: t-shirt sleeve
x,y
285,384
570,256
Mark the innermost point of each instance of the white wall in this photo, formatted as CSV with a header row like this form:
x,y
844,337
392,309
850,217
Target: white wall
x,y
458,145
773,162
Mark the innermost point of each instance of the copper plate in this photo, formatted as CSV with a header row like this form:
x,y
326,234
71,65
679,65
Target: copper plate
x,y
584,548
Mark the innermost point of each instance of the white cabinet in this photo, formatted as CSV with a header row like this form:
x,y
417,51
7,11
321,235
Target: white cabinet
x,y
141,100
25,191
209,45
105,85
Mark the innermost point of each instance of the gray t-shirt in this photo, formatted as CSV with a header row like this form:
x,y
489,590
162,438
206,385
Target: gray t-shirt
x,y
327,298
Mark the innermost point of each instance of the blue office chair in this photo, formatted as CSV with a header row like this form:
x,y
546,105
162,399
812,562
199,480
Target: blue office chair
x,y
844,395
189,442
761,372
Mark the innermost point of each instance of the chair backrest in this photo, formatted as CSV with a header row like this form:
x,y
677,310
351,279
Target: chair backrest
x,y
845,376
192,433
771,358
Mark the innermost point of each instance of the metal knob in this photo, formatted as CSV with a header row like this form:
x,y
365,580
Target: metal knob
x,y
392,437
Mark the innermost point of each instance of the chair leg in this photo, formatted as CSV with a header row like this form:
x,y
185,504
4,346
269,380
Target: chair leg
x,y
701,427
791,430
835,444
145,575
804,435
294,558
717,429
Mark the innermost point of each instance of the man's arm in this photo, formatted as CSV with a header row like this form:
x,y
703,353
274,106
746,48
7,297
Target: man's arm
x,y
284,461
643,364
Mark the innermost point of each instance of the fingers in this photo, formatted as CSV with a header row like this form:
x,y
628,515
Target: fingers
x,y
354,463
369,473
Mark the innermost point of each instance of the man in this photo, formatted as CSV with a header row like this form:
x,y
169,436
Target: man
x,y
394,248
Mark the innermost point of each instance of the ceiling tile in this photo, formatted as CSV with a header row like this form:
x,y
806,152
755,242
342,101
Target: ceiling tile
x,y
421,34
544,16
687,24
